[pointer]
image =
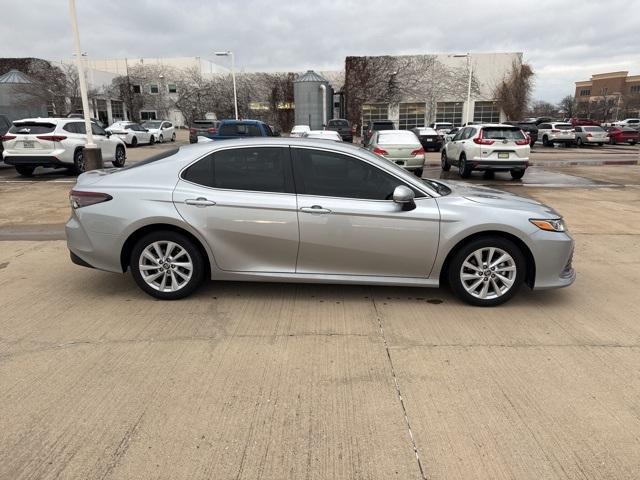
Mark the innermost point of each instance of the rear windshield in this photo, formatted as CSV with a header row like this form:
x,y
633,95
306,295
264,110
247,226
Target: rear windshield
x,y
427,131
563,126
204,123
502,133
240,129
338,123
32,128
397,138
593,129
382,126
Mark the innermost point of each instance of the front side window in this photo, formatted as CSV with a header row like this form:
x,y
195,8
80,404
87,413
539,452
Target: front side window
x,y
331,174
97,130
259,169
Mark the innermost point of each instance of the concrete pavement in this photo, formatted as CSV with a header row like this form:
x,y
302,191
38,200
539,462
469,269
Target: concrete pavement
x,y
274,381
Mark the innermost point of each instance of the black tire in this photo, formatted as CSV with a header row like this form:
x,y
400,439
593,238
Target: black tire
x,y
632,143
152,140
455,268
600,144
120,157
173,137
463,167
134,142
444,162
517,174
612,141
418,173
78,162
579,142
161,139
24,170
545,142
197,260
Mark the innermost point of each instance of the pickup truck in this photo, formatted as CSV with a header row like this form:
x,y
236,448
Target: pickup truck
x,y
343,127
240,129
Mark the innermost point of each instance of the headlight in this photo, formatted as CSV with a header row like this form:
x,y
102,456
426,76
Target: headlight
x,y
550,225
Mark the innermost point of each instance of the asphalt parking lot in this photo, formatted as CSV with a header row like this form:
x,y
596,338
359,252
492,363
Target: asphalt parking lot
x,y
274,381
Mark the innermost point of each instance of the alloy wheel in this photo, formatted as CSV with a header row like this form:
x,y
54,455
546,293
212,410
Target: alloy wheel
x,y
165,266
488,273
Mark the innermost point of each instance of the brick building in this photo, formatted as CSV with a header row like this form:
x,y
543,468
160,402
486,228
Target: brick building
x,y
610,95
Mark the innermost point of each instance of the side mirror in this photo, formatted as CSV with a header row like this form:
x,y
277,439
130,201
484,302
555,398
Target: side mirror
x,y
404,196
107,133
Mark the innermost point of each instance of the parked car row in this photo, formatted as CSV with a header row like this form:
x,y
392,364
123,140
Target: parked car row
x,y
149,132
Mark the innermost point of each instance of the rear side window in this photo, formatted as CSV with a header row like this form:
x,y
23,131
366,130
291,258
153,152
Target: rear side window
x,y
563,126
74,127
338,123
544,126
32,128
240,129
502,133
259,169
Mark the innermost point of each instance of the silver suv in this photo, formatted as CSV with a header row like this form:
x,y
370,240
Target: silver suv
x,y
56,143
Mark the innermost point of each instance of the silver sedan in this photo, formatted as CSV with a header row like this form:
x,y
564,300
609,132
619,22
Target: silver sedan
x,y
301,210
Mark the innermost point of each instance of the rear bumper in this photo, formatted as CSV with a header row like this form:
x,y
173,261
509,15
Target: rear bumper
x,y
35,161
482,164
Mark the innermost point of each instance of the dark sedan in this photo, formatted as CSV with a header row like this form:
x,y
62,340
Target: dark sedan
x,y
429,138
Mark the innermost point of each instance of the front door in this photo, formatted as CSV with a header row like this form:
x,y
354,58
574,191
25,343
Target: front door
x,y
349,225
241,200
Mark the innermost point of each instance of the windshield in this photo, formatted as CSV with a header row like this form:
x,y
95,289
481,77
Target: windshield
x,y
152,124
32,128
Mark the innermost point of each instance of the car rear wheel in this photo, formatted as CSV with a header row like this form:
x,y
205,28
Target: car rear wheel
x,y
134,142
579,142
612,141
487,271
463,167
120,157
161,138
78,162
546,142
167,265
24,170
418,173
152,140
444,162
632,143
173,137
517,174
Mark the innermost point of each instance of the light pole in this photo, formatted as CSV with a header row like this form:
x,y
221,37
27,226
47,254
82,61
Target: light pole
x,y
470,68
91,154
229,53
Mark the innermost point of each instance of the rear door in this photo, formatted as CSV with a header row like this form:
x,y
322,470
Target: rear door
x,y
242,202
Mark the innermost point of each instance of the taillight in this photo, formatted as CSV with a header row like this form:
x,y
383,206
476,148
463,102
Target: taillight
x,y
555,131
481,141
80,199
211,130
379,151
51,138
192,130
524,141
589,135
4,138
418,151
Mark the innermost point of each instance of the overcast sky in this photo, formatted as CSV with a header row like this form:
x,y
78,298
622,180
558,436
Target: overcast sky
x,y
564,40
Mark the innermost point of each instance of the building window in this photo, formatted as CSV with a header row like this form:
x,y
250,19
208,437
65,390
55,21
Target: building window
x,y
412,115
635,89
604,91
172,87
117,110
585,92
486,112
147,115
153,88
374,111
449,112
137,89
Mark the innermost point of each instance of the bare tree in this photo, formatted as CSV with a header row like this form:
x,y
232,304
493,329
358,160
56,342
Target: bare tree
x,y
540,108
513,92
568,106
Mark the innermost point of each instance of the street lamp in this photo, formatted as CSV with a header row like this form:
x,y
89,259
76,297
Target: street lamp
x,y
470,68
92,155
229,53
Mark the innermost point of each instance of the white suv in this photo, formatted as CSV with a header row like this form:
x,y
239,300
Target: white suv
x,y
492,147
556,132
56,143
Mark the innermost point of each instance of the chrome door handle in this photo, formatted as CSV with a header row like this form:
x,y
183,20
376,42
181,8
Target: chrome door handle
x,y
317,209
200,202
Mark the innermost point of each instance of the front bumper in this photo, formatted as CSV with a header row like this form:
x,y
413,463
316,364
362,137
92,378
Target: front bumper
x,y
553,255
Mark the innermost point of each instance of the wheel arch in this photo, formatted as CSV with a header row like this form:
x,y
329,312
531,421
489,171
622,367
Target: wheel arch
x,y
127,247
530,274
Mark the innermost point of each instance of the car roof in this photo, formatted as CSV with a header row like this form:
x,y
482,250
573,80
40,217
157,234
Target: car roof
x,y
235,122
55,120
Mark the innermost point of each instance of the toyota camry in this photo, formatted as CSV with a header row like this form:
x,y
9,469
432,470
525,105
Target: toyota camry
x,y
302,210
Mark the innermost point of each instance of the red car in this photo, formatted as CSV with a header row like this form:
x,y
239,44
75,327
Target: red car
x,y
623,135
583,122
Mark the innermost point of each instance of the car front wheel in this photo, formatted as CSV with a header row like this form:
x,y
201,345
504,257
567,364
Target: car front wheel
x,y
167,265
444,162
487,271
517,174
120,157
464,168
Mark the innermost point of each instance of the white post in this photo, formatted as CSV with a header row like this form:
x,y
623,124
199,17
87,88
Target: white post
x,y
469,87
324,105
81,77
233,75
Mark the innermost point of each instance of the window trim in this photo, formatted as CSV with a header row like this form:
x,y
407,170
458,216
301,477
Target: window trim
x,y
289,183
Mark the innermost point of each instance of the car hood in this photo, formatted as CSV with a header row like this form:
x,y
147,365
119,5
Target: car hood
x,y
498,198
